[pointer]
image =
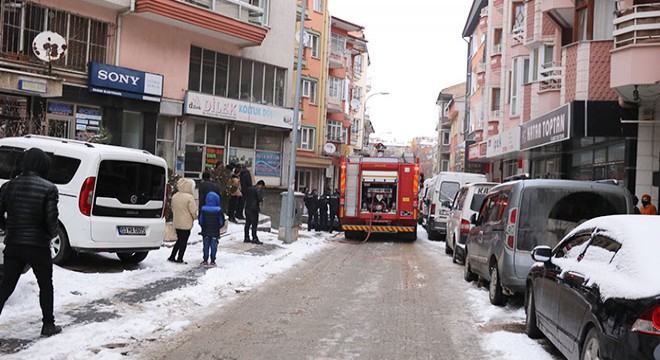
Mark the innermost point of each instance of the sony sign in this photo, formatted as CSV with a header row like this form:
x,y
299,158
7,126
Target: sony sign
x,y
117,77
120,81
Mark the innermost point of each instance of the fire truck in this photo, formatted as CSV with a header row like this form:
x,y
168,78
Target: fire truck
x,y
379,195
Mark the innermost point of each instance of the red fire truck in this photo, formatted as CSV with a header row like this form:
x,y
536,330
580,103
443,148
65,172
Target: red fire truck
x,y
379,195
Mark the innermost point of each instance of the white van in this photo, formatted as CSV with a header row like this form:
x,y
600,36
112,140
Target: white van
x,y
111,198
441,193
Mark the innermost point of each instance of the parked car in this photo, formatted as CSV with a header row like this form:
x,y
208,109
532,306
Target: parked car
x,y
112,199
421,206
517,216
467,202
596,295
442,190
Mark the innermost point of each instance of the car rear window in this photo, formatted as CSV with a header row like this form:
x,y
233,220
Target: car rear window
x,y
547,215
130,183
477,200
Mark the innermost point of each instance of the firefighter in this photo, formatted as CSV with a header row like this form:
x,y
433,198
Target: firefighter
x,y
333,201
323,210
312,204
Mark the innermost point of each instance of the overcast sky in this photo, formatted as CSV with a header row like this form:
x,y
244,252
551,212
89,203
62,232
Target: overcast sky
x,y
416,50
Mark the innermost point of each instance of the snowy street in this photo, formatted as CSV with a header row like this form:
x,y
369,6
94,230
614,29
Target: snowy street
x,y
408,295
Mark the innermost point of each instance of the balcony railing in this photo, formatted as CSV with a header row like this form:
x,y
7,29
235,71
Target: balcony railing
x,y
639,24
237,9
495,114
518,34
550,76
484,12
497,49
481,67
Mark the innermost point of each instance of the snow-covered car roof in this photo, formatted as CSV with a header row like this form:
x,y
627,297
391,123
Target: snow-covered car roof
x,y
632,272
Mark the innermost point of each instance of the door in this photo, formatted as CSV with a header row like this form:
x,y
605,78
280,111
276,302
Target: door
x,y
59,128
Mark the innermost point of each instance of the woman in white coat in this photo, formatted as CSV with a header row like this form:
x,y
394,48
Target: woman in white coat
x,y
184,210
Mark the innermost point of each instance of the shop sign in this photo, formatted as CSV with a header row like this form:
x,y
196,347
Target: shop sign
x,y
57,108
34,86
507,142
230,109
213,157
546,129
268,163
124,82
88,119
474,151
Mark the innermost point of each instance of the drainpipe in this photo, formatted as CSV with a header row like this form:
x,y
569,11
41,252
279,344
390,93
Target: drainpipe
x,y
468,86
120,16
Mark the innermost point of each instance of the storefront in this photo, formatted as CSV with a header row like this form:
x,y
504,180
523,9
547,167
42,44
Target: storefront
x,y
218,130
502,152
476,160
582,140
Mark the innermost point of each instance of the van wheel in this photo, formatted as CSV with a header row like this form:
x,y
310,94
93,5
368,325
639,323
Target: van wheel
x,y
591,346
60,249
495,288
132,257
454,255
468,275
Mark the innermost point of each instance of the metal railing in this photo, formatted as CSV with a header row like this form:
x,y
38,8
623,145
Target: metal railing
x,y
639,24
550,75
237,9
495,114
518,34
497,49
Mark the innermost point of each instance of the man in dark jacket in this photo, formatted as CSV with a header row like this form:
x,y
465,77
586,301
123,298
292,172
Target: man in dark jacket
x,y
30,202
252,198
312,203
323,210
246,182
205,187
333,202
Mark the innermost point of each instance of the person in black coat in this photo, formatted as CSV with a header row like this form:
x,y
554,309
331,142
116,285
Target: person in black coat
x,y
246,182
312,203
205,187
333,202
253,199
30,202
323,210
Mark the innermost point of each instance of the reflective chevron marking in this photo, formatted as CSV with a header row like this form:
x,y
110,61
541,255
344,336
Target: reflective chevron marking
x,y
378,228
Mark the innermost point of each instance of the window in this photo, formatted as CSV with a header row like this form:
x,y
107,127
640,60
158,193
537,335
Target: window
x,y
309,89
583,20
496,93
497,40
518,76
318,5
312,41
357,65
334,131
445,138
307,136
223,75
337,44
22,21
357,93
444,165
269,140
518,15
336,87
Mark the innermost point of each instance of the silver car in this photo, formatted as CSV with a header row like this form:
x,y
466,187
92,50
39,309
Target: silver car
x,y
519,215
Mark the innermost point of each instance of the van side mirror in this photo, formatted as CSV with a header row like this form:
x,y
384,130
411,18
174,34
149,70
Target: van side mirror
x,y
446,203
427,202
474,219
542,253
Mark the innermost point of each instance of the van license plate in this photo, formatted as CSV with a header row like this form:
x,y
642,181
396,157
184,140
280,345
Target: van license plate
x,y
131,230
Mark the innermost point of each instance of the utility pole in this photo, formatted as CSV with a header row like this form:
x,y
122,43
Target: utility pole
x,y
290,204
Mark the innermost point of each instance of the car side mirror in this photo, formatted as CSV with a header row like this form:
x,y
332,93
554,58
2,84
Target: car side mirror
x,y
542,253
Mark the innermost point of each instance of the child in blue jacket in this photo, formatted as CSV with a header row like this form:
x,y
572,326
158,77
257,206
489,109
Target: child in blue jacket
x,y
211,219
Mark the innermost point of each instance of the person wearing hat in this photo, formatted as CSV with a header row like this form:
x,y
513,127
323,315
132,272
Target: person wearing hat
x,y
647,207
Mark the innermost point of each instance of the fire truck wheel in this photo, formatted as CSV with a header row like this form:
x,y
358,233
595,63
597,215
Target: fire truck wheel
x,y
409,236
434,235
350,235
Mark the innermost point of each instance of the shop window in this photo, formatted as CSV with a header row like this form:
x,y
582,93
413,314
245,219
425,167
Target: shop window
x,y
258,83
269,86
246,80
303,180
165,128
208,71
195,131
215,133
243,137
221,68
234,77
616,152
269,140
132,127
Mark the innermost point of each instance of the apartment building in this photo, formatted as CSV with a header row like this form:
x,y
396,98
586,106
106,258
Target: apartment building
x,y
551,89
198,82
451,145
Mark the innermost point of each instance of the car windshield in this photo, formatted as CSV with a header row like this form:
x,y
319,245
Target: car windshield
x,y
552,213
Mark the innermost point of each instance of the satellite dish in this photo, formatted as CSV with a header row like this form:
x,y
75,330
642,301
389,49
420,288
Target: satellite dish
x,y
329,148
355,104
49,46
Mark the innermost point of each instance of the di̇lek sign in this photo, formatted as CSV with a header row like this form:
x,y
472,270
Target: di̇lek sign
x,y
546,129
124,82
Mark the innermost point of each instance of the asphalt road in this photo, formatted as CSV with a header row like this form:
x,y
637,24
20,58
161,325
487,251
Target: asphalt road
x,y
377,300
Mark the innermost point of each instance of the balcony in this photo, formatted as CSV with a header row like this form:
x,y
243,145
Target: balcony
x,y
481,67
336,58
234,21
483,12
334,104
561,11
550,76
498,5
518,34
497,50
636,51
495,115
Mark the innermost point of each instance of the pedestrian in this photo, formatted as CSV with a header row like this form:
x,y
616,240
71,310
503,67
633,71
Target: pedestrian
x,y
206,186
245,179
235,195
635,202
312,203
253,199
30,202
211,219
333,202
323,210
647,207
184,212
